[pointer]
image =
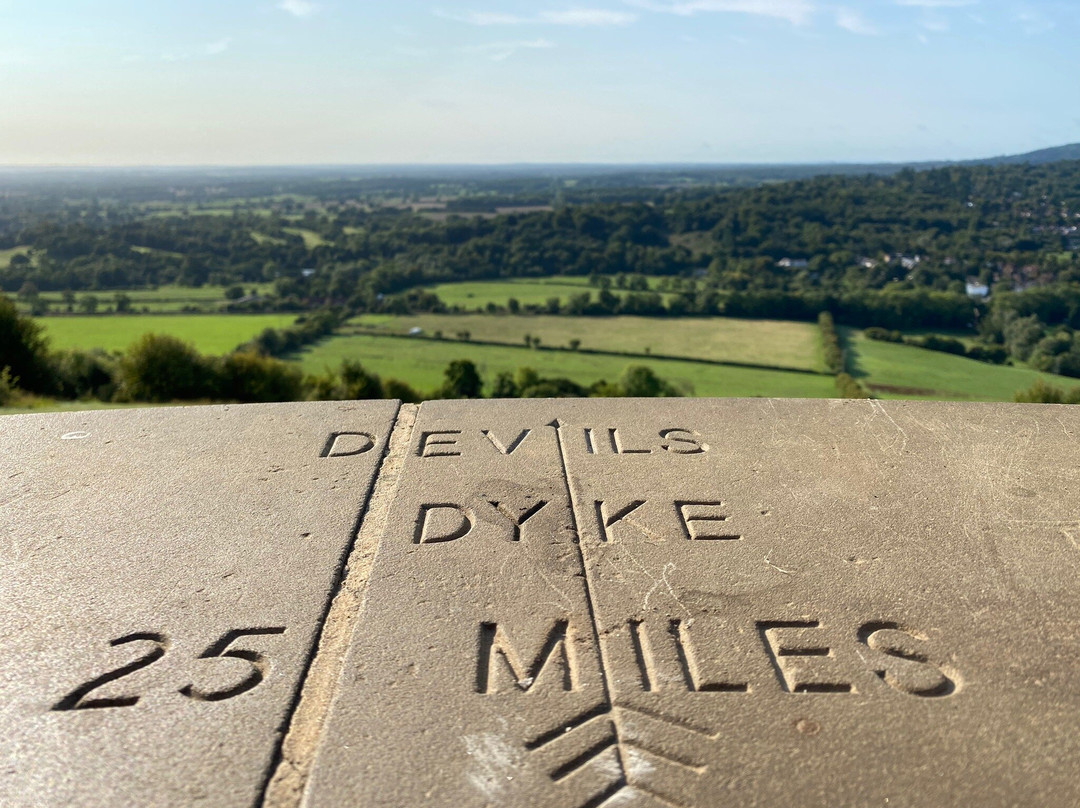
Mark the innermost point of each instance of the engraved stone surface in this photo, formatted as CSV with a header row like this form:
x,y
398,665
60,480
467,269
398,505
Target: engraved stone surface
x,y
476,642
165,574
662,603
798,603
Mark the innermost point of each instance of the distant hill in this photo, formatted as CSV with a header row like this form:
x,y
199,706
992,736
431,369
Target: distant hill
x,y
1052,155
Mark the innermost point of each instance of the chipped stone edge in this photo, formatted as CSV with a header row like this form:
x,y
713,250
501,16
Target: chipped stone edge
x,y
288,782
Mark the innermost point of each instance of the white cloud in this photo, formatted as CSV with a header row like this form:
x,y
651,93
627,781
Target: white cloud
x,y
220,46
580,17
299,8
853,21
797,12
1035,22
500,51
588,16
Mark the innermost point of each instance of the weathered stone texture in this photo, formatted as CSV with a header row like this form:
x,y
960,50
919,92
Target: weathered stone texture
x,y
165,574
571,603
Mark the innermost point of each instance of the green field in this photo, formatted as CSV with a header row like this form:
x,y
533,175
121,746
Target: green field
x,y
210,333
164,299
421,363
7,255
762,342
310,237
891,370
473,295
262,238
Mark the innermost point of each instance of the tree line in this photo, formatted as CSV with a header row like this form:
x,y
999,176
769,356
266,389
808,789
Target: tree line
x,y
161,368
893,251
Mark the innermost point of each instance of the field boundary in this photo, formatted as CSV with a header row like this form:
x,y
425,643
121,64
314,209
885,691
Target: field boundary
x,y
360,332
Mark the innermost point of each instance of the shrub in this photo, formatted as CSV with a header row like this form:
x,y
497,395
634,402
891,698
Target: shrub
x,y
9,387
352,382
359,383
250,377
554,388
639,381
1042,392
834,353
994,354
849,387
85,374
937,342
883,334
23,349
504,386
396,388
461,379
160,368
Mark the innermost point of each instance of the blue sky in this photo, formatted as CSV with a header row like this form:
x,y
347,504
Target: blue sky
x,y
245,82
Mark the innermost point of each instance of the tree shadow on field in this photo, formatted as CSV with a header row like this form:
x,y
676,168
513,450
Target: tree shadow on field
x,y
851,353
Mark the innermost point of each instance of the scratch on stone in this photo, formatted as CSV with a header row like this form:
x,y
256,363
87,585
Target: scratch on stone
x,y
652,535
778,569
1071,538
566,602
663,579
878,406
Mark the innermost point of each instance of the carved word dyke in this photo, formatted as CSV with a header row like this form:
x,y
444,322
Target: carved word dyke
x,y
697,520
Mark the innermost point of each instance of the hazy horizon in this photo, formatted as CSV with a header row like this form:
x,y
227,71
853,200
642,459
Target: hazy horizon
x,y
276,83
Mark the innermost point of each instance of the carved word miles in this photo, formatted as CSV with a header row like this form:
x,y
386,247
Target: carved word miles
x,y
899,660
803,658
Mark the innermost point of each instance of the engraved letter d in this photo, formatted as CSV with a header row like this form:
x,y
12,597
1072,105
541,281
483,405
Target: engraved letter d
x,y
443,522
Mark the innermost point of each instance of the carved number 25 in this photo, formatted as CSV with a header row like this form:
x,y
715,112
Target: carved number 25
x,y
77,698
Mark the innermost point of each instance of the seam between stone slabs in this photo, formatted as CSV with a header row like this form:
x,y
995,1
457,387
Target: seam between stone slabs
x,y
609,695
292,765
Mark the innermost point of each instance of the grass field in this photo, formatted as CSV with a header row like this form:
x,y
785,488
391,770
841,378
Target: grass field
x,y
161,300
764,342
473,295
421,364
210,333
310,237
891,370
262,238
7,255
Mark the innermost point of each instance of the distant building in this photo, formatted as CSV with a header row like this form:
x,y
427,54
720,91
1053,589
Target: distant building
x,y
793,263
976,289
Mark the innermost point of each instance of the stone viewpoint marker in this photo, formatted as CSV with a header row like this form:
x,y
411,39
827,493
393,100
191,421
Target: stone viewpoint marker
x,y
542,603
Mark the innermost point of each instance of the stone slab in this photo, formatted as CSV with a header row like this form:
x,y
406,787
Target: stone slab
x,y
476,641
571,603
798,603
838,603
165,573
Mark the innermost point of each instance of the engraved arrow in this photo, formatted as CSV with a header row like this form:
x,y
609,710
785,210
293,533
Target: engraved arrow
x,y
598,738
